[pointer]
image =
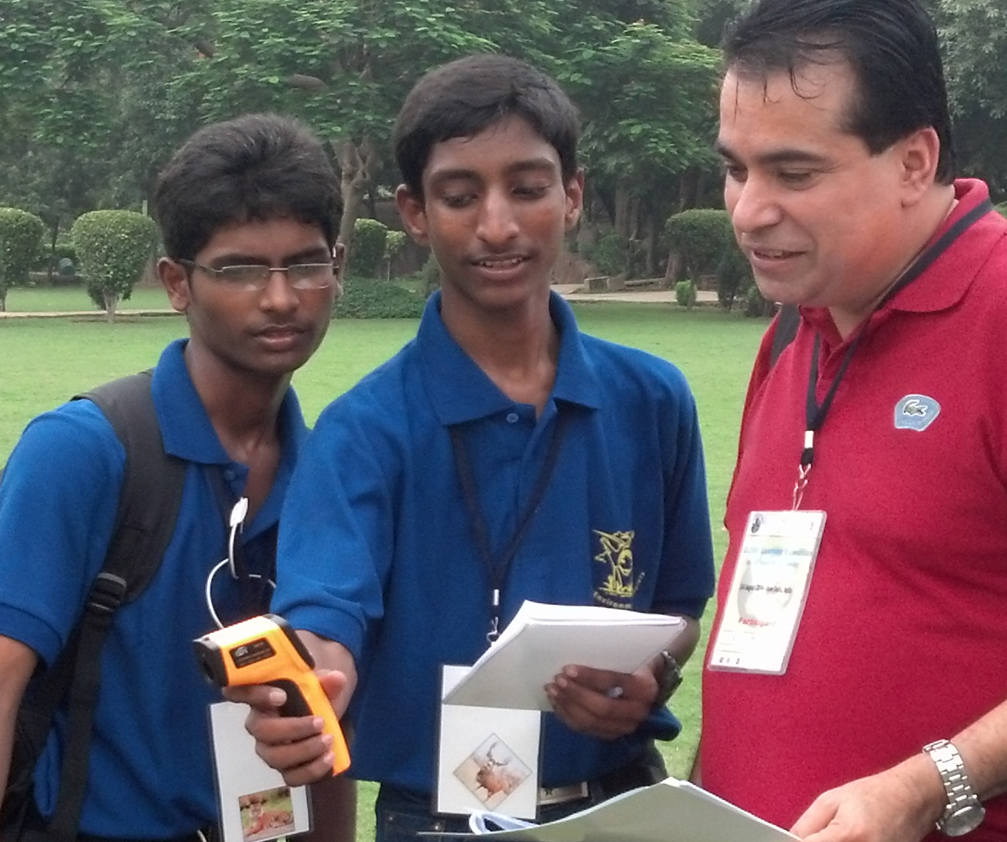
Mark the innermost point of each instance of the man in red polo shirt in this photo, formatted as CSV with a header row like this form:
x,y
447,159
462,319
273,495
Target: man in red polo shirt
x,y
856,676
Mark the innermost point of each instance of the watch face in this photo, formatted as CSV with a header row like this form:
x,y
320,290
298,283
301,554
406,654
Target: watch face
x,y
964,820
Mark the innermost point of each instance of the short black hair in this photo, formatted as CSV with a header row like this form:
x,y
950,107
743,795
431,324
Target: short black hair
x,y
890,45
254,167
463,97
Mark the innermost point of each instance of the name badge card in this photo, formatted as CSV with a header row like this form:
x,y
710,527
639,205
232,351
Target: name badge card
x,y
255,804
768,591
487,758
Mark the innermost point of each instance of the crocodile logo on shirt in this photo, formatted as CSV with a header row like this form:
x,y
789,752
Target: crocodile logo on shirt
x,y
618,585
916,412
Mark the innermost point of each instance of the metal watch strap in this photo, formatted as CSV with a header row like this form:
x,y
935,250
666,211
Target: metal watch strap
x,y
961,797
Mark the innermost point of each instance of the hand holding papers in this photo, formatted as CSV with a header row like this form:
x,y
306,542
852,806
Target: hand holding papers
x,y
542,639
670,811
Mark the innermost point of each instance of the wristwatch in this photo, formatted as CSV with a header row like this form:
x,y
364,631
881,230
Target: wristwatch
x,y
668,680
963,813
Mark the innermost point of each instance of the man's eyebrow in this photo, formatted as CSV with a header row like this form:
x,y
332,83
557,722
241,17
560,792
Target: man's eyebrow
x,y
785,155
319,254
463,174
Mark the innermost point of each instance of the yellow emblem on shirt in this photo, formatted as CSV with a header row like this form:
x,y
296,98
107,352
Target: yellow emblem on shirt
x,y
616,553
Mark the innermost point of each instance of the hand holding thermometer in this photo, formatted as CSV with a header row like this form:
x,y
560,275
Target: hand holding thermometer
x,y
265,650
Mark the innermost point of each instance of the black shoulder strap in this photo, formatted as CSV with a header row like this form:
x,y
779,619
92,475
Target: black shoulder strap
x,y
148,508
787,322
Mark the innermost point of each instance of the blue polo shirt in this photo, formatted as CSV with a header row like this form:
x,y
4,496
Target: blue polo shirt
x,y
377,552
150,773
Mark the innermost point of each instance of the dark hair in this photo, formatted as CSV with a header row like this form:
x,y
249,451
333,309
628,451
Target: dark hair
x,y
463,97
890,45
255,167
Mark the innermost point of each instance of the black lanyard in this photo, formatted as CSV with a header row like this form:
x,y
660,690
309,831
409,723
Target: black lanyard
x,y
816,413
497,569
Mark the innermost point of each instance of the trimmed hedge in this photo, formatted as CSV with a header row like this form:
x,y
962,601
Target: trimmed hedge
x,y
699,236
113,247
20,242
364,298
368,248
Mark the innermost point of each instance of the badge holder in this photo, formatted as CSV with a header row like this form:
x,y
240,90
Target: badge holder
x,y
487,757
767,592
255,803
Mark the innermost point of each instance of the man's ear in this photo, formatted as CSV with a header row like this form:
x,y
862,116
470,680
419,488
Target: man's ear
x,y
918,156
574,199
175,280
412,211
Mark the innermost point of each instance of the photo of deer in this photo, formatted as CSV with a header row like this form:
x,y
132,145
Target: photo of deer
x,y
492,772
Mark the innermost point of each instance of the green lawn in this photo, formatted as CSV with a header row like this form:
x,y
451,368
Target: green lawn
x,y
47,360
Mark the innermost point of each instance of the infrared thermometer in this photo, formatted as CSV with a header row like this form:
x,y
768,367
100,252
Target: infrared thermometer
x,y
265,650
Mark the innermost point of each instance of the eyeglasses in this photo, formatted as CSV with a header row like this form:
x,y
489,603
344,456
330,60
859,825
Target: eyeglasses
x,y
255,276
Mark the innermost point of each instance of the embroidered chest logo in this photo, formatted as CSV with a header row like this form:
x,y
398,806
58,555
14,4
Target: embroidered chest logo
x,y
619,585
916,412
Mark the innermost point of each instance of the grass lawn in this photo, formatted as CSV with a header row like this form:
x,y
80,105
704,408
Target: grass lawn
x,y
47,360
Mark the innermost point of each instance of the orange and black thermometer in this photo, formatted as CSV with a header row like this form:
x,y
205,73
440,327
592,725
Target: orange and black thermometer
x,y
265,650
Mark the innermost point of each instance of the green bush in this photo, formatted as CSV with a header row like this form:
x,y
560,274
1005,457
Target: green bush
x,y
699,237
368,247
1002,207
430,275
685,294
20,240
734,276
611,254
756,305
365,298
114,247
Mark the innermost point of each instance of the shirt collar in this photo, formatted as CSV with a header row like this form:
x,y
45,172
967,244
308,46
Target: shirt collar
x,y
185,425
460,391
938,288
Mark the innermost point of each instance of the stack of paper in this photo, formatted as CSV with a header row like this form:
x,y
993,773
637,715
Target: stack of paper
x,y
670,811
542,639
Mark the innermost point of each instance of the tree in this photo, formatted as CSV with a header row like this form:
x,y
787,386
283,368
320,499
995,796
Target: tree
x,y
647,91
20,238
974,39
113,246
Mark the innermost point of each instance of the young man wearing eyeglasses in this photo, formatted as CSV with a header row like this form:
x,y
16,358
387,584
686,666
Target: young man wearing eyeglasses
x,y
249,214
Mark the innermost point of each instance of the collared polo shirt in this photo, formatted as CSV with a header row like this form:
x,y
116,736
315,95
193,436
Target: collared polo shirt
x,y
377,550
150,770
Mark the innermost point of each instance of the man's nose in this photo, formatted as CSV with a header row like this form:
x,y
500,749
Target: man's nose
x,y
497,218
752,204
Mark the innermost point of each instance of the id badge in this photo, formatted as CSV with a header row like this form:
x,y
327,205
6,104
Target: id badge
x,y
487,758
255,804
766,597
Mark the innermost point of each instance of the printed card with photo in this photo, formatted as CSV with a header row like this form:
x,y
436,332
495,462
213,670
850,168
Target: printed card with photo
x,y
255,804
487,757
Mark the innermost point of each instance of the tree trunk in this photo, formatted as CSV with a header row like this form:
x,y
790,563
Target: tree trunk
x,y
623,212
357,163
111,303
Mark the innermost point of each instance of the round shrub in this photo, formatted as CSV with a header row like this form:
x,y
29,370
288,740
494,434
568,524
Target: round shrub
x,y
611,254
364,298
699,237
20,242
734,274
685,294
113,247
368,247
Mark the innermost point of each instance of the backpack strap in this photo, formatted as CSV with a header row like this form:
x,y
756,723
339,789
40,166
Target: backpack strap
x,y
787,322
149,502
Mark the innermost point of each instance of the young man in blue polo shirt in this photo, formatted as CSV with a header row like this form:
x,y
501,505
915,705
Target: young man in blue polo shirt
x,y
239,198
500,456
